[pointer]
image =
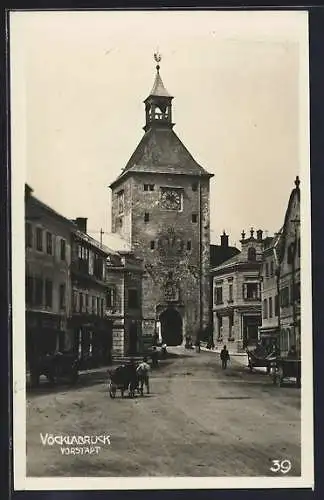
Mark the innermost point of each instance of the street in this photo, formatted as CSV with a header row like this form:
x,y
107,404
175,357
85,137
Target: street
x,y
198,421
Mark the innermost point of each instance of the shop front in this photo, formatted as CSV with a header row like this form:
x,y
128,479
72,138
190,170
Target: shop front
x,y
45,334
92,341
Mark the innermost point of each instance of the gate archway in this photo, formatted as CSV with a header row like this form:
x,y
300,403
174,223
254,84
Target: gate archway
x,y
171,327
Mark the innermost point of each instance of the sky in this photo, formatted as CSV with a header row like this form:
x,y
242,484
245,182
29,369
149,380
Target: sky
x,y
237,79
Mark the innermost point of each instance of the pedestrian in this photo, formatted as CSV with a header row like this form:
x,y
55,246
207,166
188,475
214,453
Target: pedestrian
x,y
132,377
225,357
197,344
143,375
154,356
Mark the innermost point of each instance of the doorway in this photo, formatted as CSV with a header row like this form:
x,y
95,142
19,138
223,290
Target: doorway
x,y
133,337
171,327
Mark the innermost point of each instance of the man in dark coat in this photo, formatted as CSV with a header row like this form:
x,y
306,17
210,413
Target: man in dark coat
x,y
225,357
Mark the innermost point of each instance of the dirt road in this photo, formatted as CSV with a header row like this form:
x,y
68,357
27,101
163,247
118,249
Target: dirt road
x,y
197,421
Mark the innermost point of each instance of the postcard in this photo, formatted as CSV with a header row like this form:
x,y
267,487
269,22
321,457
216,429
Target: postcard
x,y
160,180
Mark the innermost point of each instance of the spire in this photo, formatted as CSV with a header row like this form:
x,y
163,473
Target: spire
x,y
158,108
158,89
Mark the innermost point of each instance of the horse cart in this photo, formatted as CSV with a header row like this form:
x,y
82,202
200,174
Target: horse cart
x,y
55,367
123,379
260,359
283,369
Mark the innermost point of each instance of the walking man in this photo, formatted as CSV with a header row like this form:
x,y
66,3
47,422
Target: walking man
x,y
143,375
225,357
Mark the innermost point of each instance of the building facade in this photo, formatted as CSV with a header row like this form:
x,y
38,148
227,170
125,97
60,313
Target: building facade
x,y
124,304
288,249
48,280
160,205
92,330
269,332
237,296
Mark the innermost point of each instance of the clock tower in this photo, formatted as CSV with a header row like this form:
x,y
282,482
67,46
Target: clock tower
x,y
160,204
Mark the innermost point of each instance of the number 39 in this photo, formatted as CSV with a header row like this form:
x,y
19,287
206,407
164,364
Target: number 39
x,y
282,466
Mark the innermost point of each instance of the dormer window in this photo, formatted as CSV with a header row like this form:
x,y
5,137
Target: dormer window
x,y
252,254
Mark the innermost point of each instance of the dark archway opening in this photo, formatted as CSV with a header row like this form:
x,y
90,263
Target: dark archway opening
x,y
171,327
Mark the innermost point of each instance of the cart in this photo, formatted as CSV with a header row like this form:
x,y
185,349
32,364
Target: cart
x,y
260,360
286,368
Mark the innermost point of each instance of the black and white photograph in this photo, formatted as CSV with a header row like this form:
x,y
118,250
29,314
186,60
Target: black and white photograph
x,y
160,178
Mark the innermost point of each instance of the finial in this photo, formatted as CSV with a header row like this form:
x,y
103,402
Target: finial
x,y
252,232
157,58
224,232
297,182
243,234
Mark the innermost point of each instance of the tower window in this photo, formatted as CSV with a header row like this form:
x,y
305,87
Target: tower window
x,y
189,245
152,244
120,201
146,217
194,186
148,187
194,218
252,256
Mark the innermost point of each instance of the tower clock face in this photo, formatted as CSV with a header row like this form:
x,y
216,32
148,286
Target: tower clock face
x,y
171,199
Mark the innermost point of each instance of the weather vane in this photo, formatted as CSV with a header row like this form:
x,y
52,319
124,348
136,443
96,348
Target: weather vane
x,y
157,58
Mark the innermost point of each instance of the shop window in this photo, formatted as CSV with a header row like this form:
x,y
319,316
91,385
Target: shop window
x,y
39,239
265,309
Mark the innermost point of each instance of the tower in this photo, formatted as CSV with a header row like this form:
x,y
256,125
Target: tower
x,y
160,204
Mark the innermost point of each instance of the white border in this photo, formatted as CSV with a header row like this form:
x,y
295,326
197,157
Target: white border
x,y
18,176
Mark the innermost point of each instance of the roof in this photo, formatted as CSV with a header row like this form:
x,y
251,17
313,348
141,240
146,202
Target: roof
x,y
221,253
92,241
161,151
115,242
159,89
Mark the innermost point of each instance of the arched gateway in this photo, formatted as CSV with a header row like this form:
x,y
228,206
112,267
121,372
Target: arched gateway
x,y
171,327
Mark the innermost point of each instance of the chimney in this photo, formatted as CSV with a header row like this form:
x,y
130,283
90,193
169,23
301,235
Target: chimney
x,y
259,234
81,223
224,239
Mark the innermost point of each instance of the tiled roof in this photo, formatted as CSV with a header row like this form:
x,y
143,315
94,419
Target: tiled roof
x,y
220,254
161,151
